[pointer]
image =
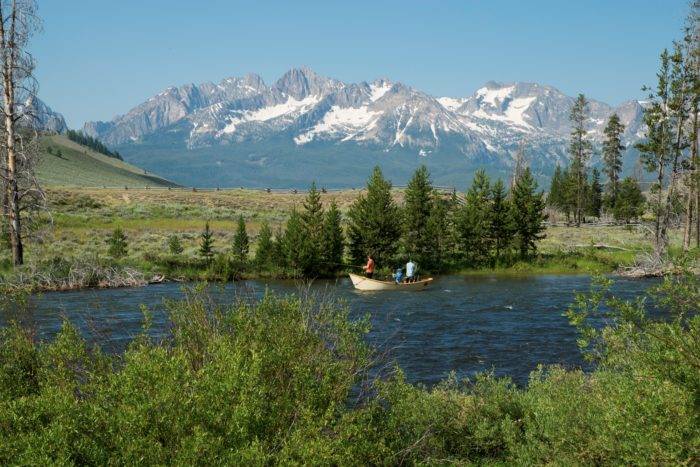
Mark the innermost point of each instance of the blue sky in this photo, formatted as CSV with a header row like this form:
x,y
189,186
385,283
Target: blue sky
x,y
99,58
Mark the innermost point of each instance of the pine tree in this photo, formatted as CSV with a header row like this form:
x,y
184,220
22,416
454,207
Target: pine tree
x,y
527,212
312,217
374,222
580,150
501,228
612,157
474,220
630,201
206,243
332,240
418,205
117,244
555,196
264,249
595,195
241,242
298,250
439,231
279,255
174,245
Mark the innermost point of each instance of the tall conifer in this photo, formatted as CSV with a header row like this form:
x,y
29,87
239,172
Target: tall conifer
x,y
580,150
527,210
612,157
374,222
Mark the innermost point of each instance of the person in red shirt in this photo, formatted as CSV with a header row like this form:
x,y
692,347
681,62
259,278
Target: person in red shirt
x,y
369,267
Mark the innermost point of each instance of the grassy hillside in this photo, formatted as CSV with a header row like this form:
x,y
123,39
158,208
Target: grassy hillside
x,y
79,166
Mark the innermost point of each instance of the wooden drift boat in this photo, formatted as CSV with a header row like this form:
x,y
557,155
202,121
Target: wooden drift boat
x,y
365,283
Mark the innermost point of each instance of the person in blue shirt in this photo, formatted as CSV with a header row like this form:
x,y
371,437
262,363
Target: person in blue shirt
x,y
410,271
398,275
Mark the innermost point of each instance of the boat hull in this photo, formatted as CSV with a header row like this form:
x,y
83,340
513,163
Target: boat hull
x,y
367,284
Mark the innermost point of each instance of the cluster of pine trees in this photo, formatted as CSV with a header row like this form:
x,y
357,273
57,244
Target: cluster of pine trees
x,y
578,192
93,143
487,226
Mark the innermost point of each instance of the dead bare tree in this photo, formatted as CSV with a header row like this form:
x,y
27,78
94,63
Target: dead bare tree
x,y
18,23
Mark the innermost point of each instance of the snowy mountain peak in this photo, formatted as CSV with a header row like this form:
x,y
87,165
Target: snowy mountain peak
x,y
307,111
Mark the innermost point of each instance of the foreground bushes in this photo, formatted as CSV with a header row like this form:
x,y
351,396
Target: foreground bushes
x,y
286,380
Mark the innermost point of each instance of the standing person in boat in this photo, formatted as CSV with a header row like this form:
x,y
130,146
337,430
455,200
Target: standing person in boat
x,y
411,271
369,267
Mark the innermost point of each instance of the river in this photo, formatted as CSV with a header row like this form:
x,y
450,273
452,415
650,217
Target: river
x,y
507,325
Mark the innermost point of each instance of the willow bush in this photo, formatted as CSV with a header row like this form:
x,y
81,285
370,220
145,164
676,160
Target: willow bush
x,y
290,380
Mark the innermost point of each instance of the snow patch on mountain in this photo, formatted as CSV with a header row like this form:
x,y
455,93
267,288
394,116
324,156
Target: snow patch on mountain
x,y
494,96
344,121
289,108
377,90
450,103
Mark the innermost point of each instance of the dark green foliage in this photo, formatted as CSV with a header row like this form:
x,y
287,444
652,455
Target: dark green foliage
x,y
117,243
206,243
374,223
527,208
502,227
595,195
474,221
298,251
93,143
304,237
174,245
556,195
630,201
332,241
417,208
612,157
240,241
580,148
265,248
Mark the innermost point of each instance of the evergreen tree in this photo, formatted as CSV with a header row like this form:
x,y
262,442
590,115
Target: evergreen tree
x,y
418,205
595,195
374,222
312,217
612,157
298,251
555,198
206,243
438,230
174,245
501,228
630,201
241,241
117,244
475,219
279,256
332,240
264,250
580,150
527,212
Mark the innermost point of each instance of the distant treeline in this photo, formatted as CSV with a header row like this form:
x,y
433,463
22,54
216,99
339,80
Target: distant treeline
x,y
93,143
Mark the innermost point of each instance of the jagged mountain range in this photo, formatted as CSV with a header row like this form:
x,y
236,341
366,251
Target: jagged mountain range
x,y
36,114
243,131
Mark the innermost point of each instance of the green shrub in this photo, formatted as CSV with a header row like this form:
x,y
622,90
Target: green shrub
x,y
117,244
288,381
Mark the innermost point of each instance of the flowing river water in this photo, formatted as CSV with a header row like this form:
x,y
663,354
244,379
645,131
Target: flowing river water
x,y
507,325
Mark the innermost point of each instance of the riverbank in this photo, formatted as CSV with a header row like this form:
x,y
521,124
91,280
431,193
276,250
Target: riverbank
x,y
63,250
